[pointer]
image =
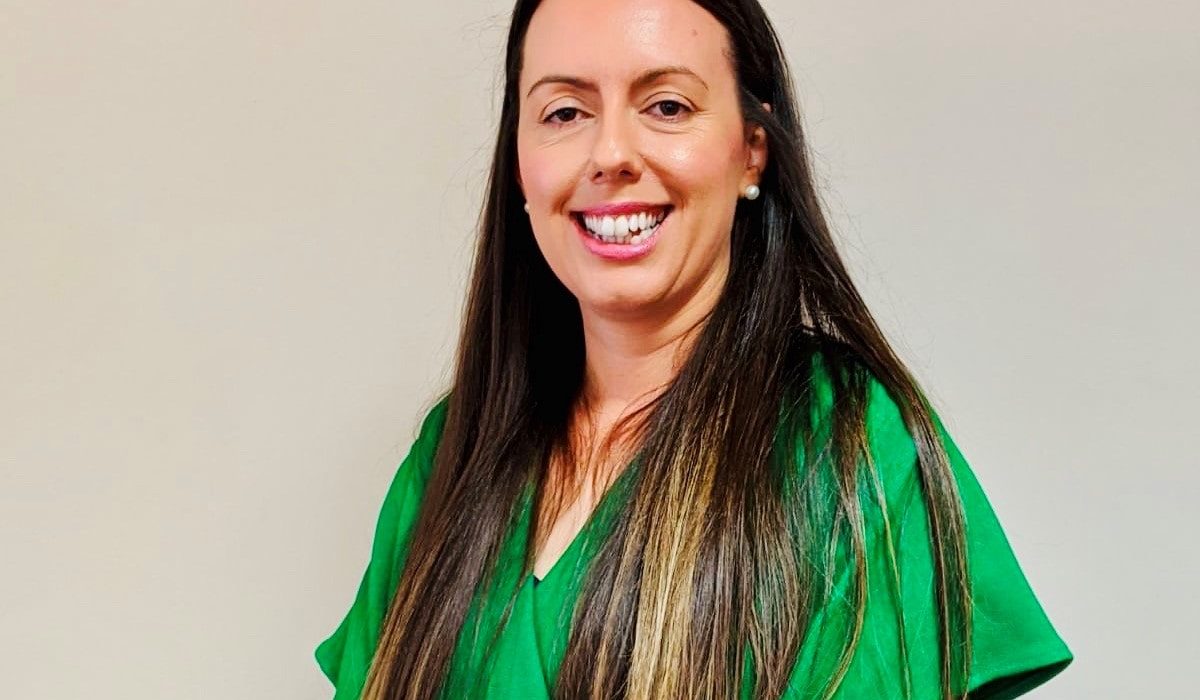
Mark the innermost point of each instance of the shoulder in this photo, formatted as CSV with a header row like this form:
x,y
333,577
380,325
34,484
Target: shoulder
x,y
837,378
407,488
1014,643
434,420
432,425
894,443
415,469
429,435
345,655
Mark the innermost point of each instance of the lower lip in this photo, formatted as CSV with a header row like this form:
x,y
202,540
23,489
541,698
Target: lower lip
x,y
620,251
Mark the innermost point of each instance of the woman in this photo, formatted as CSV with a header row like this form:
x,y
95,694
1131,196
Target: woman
x,y
678,459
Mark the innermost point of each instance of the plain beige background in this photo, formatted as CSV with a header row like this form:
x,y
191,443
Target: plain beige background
x,y
234,239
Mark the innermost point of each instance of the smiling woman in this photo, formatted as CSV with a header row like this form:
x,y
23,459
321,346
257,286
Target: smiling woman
x,y
678,458
653,127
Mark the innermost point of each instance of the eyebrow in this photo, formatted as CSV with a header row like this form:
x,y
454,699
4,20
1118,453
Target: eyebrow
x,y
645,78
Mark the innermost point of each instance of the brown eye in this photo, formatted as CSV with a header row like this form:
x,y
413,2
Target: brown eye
x,y
672,110
562,111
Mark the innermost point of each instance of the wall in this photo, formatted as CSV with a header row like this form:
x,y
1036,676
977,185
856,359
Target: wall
x,y
234,238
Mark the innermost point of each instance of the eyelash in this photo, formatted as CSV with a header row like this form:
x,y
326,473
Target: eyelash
x,y
676,118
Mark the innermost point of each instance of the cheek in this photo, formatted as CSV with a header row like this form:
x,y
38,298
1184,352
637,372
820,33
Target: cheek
x,y
546,184
701,169
705,176
545,175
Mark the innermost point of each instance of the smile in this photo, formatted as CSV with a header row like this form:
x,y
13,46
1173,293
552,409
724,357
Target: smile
x,y
630,229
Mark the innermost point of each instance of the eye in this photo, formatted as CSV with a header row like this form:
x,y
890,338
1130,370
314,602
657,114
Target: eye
x,y
672,110
566,112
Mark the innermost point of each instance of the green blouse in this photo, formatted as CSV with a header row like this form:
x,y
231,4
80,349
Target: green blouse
x,y
1015,646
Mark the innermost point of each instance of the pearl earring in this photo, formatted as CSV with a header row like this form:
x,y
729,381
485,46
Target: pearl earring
x,y
752,191
526,207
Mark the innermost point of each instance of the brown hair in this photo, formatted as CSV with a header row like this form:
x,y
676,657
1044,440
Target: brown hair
x,y
720,547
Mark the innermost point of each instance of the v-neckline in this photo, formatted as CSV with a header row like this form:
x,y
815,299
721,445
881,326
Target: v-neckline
x,y
584,532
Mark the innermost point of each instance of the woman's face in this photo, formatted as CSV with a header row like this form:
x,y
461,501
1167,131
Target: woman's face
x,y
629,113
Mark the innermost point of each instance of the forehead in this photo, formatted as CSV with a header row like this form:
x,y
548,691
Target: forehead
x,y
614,40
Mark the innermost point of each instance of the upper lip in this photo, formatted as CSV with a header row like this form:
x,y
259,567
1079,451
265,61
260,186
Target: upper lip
x,y
618,208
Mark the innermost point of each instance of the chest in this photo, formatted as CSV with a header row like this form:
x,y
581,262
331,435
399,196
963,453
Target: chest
x,y
562,531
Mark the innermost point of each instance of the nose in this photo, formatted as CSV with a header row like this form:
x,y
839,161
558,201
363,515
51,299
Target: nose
x,y
615,153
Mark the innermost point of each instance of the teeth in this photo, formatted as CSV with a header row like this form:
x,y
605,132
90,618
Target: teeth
x,y
627,228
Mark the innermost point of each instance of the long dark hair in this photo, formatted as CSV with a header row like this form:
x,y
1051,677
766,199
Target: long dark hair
x,y
717,550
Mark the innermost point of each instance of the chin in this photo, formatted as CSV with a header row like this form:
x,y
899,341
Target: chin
x,y
620,303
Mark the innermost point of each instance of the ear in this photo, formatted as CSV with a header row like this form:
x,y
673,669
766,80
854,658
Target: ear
x,y
756,161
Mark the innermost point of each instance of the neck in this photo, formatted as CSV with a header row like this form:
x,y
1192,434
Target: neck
x,y
632,357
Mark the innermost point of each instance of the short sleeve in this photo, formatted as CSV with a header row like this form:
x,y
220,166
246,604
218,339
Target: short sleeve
x,y
1015,646
345,656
